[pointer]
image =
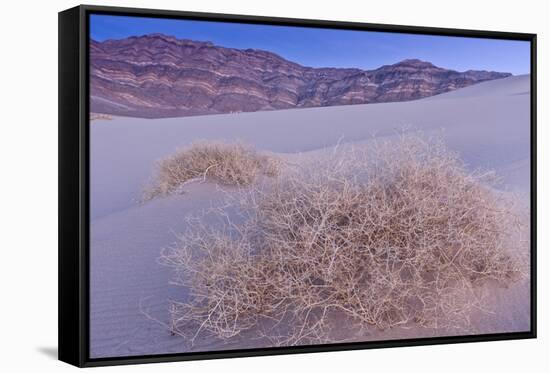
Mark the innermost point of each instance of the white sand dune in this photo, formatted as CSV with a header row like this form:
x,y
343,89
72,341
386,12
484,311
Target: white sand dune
x,y
488,124
127,282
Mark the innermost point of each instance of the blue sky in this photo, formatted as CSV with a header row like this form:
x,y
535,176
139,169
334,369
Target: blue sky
x,y
318,47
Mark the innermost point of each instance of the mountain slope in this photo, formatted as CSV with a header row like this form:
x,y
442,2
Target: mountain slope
x,y
160,76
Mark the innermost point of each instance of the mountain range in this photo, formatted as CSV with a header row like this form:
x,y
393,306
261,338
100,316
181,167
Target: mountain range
x,y
156,75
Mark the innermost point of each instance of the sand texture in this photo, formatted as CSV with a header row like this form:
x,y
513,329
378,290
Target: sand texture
x,y
487,124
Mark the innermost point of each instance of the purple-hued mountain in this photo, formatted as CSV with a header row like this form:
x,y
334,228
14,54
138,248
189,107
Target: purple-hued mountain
x,y
157,75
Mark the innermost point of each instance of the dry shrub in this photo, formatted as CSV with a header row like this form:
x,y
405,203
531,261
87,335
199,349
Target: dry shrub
x,y
395,235
228,164
100,116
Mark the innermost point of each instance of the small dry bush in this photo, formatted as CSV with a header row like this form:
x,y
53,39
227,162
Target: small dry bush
x,y
224,163
400,234
100,116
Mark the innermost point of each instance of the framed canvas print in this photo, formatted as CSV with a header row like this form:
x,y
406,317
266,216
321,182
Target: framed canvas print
x,y
237,186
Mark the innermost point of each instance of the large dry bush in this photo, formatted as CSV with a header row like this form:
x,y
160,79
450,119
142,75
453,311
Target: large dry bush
x,y
396,234
224,163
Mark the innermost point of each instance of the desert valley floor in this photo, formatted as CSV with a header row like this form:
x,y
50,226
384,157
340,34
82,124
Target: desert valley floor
x,y
487,124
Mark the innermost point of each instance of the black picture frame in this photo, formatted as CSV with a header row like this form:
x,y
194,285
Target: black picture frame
x,y
74,185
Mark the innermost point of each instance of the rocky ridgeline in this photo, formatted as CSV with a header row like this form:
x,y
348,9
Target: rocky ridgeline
x,y
160,76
